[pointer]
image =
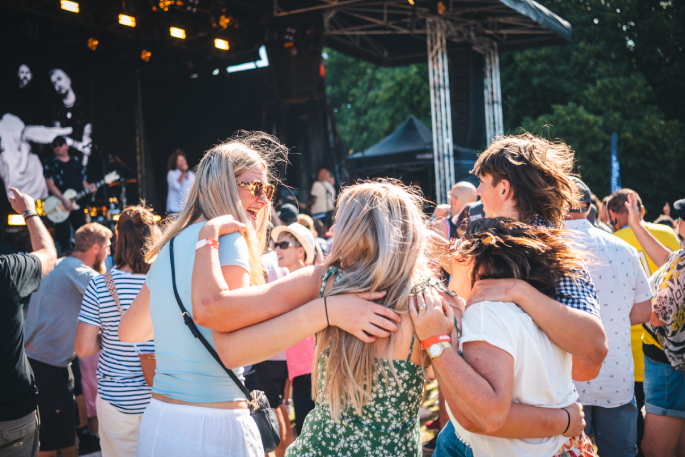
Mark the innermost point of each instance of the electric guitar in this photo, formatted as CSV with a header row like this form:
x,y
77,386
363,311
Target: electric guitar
x,y
54,208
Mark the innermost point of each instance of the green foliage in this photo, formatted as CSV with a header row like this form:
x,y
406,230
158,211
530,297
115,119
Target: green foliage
x,y
623,72
374,111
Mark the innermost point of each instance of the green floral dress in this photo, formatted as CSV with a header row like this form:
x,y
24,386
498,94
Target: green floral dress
x,y
388,425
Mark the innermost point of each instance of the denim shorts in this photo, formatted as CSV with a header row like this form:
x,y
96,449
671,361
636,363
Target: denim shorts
x,y
664,389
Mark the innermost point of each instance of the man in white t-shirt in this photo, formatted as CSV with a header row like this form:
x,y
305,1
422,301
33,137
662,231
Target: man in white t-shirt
x,y
323,196
625,299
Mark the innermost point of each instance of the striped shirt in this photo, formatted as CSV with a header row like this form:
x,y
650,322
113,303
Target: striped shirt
x,y
120,377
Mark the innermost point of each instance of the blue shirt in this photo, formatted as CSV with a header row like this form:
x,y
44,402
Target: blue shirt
x,y
185,369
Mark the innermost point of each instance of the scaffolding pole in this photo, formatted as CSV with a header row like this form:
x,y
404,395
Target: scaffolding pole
x,y
494,124
441,114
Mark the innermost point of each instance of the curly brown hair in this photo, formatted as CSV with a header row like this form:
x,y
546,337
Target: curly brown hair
x,y
136,234
173,158
539,172
505,248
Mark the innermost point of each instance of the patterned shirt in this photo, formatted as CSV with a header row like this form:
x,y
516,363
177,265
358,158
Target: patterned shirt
x,y
578,293
66,175
120,376
668,285
620,282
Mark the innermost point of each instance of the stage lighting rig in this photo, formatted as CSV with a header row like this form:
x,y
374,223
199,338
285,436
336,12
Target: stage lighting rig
x,y
192,5
221,44
127,20
145,55
93,44
177,33
69,6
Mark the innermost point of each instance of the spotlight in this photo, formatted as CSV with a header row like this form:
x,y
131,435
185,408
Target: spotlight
x,y
93,44
15,219
127,20
194,76
221,44
145,55
177,33
69,6
115,218
215,72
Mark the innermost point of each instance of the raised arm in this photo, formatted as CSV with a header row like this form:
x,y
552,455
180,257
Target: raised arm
x,y
561,323
41,241
653,247
217,307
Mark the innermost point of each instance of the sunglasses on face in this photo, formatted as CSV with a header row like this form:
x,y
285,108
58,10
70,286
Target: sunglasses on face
x,y
257,188
284,245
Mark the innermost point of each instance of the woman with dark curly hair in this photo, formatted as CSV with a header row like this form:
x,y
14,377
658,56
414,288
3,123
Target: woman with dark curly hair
x,y
503,356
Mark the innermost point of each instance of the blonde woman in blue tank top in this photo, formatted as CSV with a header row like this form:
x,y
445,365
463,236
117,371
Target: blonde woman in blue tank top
x,y
196,409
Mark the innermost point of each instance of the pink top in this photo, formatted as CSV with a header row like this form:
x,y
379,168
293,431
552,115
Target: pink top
x,y
300,358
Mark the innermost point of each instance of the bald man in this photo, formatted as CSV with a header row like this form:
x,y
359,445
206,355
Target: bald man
x,y
461,194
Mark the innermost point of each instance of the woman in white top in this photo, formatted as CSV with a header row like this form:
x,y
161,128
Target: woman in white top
x,y
123,393
180,179
506,356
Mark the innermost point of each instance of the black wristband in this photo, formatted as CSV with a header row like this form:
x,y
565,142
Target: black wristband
x,y
29,213
569,421
325,305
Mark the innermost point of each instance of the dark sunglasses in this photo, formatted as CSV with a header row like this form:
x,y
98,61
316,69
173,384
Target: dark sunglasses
x,y
284,245
257,188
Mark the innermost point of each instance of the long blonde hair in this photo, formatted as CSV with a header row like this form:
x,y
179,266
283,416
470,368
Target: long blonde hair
x,y
380,245
215,192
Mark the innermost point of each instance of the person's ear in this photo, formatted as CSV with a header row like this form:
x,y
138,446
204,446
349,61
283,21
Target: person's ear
x,y
642,212
505,189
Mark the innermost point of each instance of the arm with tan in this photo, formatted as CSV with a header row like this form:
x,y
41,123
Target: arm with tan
x,y
41,241
87,341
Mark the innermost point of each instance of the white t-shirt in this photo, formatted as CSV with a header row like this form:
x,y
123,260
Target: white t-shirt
x,y
178,191
620,282
542,373
325,197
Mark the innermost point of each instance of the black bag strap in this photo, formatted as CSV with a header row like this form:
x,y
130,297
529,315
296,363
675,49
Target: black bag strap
x,y
196,333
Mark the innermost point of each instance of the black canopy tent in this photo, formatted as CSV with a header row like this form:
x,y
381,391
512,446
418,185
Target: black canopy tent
x,y
407,154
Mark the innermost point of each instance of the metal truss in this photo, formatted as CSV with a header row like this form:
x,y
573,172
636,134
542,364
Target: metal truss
x,y
441,110
494,124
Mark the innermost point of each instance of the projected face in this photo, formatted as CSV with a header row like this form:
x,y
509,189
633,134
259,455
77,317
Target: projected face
x,y
60,81
24,75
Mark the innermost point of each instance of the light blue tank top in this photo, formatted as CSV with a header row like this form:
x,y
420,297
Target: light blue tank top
x,y
185,369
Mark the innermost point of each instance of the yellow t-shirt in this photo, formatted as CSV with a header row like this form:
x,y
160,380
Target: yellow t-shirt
x,y
666,236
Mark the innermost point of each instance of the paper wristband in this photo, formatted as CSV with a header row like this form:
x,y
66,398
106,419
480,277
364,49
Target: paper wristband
x,y
425,344
206,242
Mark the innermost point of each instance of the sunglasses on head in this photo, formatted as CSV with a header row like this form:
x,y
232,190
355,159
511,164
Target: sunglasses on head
x,y
284,245
257,188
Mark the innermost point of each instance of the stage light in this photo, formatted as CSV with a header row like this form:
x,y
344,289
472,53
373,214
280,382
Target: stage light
x,y
93,44
145,55
411,2
15,219
221,44
115,218
224,21
177,33
127,20
261,63
215,72
69,6
194,76
156,218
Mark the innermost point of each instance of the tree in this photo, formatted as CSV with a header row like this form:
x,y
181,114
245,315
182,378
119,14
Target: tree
x,y
369,102
603,82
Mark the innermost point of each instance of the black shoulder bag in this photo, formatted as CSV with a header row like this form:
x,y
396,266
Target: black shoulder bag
x,y
260,410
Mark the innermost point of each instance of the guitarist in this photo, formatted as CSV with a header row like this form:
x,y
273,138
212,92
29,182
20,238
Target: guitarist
x,y
64,172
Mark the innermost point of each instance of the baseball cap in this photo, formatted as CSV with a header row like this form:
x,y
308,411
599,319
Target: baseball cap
x,y
288,213
59,141
585,195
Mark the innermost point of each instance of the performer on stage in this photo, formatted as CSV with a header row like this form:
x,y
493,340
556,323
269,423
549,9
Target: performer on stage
x,y
322,201
71,111
180,179
64,172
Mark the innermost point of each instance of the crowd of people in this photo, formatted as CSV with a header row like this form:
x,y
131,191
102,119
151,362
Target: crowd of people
x,y
550,318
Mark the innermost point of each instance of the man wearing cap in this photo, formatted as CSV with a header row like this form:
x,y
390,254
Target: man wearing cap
x,y
64,172
625,299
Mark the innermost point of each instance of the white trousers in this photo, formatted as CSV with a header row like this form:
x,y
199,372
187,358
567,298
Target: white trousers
x,y
169,430
118,431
